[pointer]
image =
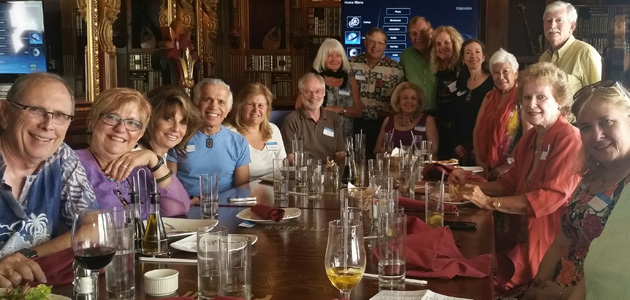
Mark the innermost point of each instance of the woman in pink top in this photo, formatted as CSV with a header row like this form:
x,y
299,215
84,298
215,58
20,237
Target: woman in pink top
x,y
532,193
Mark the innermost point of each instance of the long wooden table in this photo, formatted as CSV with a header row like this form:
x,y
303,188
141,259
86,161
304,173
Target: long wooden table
x,y
288,258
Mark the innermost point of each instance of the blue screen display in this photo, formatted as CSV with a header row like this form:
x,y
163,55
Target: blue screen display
x,y
393,16
22,39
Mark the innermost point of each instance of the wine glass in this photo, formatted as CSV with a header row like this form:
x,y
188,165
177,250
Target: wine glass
x,y
94,240
345,255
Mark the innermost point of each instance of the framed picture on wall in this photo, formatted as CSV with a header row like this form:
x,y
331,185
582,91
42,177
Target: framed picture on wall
x,y
268,28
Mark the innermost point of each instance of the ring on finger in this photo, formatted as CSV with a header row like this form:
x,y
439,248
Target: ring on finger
x,y
124,166
10,273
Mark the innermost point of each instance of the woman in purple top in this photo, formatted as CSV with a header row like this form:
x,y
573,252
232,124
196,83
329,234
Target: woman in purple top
x,y
117,120
408,101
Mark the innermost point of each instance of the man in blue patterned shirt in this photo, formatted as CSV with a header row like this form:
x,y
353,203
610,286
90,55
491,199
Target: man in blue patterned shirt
x,y
43,183
377,77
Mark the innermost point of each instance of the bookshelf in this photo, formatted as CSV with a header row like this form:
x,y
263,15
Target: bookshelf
x,y
73,48
323,21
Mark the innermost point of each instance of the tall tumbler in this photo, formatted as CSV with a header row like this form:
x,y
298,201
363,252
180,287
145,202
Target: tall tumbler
x,y
120,276
209,261
209,196
392,250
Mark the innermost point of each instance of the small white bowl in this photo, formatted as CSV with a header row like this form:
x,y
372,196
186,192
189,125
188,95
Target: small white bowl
x,y
161,282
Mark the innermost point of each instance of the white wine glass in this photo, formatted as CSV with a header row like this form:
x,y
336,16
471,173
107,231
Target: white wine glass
x,y
345,255
94,240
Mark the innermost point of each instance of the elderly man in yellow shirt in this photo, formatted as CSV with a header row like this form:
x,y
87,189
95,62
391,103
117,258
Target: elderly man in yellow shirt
x,y
578,59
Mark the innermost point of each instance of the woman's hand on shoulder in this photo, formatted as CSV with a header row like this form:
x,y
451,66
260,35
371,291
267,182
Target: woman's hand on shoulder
x,y
121,168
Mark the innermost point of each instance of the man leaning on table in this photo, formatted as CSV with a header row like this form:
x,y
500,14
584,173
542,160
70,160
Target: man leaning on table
x,y
320,129
43,183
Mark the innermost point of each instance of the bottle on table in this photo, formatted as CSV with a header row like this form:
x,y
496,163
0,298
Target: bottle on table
x,y
138,225
155,242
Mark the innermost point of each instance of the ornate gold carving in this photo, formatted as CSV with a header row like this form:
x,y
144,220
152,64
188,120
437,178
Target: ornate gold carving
x,y
89,11
208,29
108,10
166,13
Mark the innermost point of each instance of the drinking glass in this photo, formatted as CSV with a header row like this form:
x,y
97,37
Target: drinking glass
x,y
120,280
280,178
427,154
93,241
434,204
392,250
209,265
297,146
209,199
345,255
388,143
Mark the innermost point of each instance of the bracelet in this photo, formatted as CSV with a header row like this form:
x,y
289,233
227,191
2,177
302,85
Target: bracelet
x,y
169,174
158,165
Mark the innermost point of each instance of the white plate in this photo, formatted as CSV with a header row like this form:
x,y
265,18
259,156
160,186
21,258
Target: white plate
x,y
3,292
474,169
189,244
179,227
465,202
248,215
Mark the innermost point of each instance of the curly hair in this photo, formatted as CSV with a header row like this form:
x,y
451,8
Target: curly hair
x,y
422,100
249,91
437,63
544,73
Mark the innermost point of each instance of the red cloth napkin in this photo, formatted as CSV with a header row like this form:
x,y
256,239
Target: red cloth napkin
x,y
433,172
57,267
431,252
414,204
268,212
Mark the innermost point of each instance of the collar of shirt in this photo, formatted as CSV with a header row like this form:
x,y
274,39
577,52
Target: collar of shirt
x,y
560,52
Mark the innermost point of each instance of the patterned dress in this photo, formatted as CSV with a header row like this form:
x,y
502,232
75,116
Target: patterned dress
x,y
582,221
342,96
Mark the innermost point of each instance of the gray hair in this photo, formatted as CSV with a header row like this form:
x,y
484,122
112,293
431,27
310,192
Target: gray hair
x,y
557,5
24,83
326,48
502,56
308,76
211,81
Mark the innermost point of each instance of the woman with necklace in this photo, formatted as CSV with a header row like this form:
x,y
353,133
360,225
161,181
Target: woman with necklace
x,y
410,120
117,120
473,83
531,196
342,90
602,111
499,123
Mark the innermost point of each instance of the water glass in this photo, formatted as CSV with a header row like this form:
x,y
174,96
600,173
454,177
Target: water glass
x,y
359,144
360,171
314,178
427,152
209,267
236,279
417,144
300,161
392,250
297,146
434,204
384,162
406,181
354,197
281,178
388,143
120,273
209,196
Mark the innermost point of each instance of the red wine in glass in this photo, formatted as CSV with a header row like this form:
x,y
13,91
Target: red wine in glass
x,y
95,258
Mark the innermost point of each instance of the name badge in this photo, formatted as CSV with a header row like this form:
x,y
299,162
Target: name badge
x,y
543,155
359,76
190,148
272,146
344,92
452,87
461,93
420,128
599,202
329,132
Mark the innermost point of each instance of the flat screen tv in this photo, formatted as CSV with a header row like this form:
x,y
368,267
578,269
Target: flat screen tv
x,y
22,38
393,16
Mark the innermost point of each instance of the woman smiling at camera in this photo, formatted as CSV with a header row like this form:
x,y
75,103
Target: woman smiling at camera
x,y
117,120
250,118
544,174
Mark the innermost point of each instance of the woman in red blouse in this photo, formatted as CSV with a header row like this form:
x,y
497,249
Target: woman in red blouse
x,y
533,192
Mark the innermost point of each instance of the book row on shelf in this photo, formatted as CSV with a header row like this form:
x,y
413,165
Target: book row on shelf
x,y
144,81
600,44
270,63
139,61
280,85
79,24
324,21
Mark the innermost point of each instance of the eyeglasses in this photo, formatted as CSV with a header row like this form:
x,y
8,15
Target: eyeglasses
x,y
58,118
317,93
114,119
588,90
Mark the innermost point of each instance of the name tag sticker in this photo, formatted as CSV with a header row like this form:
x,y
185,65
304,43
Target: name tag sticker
x,y
272,146
359,76
190,148
420,128
329,132
452,87
344,92
599,202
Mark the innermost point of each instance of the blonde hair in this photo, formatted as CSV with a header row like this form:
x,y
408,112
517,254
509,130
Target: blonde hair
x,y
437,63
249,91
545,73
404,86
112,99
326,48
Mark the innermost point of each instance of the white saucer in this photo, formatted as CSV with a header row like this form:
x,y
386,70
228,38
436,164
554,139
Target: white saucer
x,y
474,169
180,227
248,215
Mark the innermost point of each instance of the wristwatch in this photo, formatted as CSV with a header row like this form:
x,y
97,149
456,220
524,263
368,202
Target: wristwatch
x,y
29,253
495,203
158,165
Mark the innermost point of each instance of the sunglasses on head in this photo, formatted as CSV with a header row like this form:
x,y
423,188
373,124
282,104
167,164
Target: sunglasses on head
x,y
590,89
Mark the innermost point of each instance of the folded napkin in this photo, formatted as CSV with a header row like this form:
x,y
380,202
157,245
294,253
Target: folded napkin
x,y
431,252
433,172
414,204
57,267
268,212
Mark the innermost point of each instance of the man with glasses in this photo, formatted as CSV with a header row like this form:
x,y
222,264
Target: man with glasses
x,y
43,183
214,149
320,130
578,59
377,77
416,60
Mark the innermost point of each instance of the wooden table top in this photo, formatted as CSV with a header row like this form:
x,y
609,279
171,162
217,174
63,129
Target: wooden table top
x,y
288,258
